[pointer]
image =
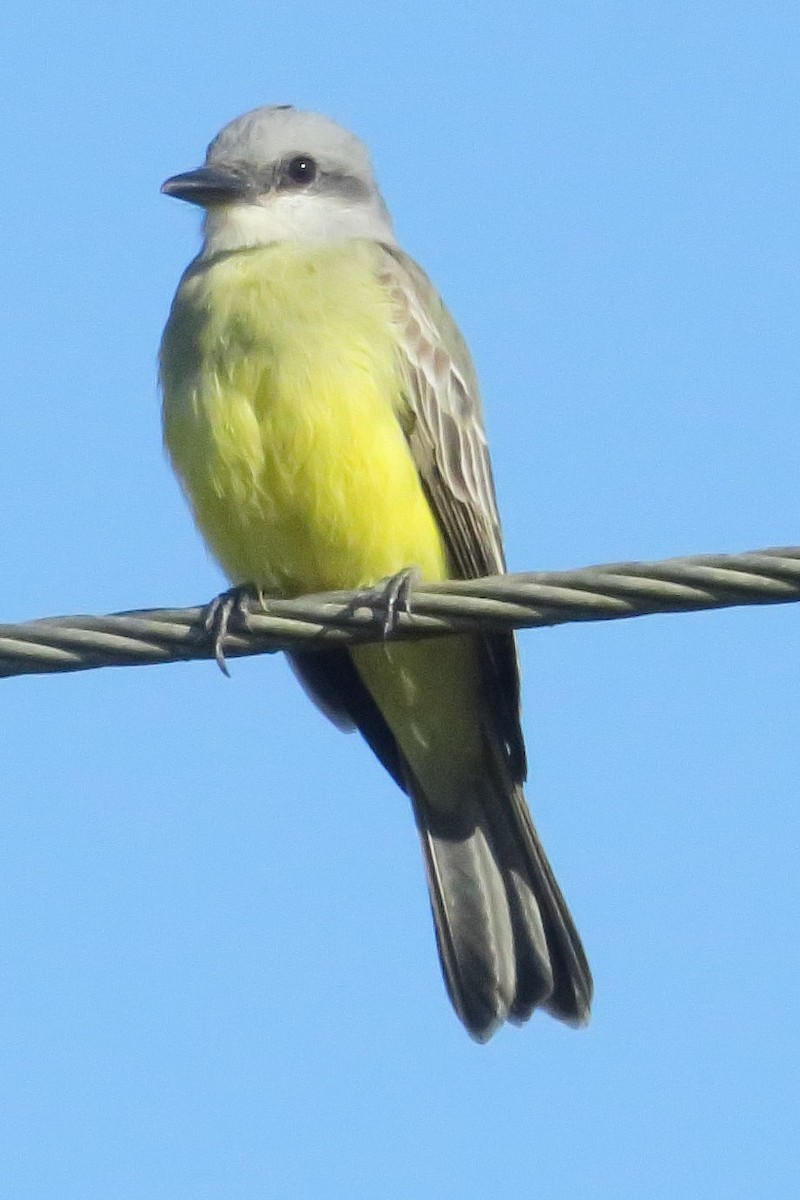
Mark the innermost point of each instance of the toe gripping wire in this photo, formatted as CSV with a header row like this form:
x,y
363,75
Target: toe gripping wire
x,y
502,602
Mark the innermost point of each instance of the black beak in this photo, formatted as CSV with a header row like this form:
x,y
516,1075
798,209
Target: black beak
x,y
207,186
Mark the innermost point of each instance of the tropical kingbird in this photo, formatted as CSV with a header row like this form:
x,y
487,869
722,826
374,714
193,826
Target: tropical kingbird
x,y
322,413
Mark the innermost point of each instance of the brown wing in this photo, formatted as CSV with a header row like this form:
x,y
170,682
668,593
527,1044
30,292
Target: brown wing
x,y
444,426
506,941
445,433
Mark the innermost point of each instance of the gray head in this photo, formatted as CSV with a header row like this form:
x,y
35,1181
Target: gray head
x,y
279,174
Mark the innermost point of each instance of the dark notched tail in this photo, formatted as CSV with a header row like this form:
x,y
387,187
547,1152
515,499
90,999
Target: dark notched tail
x,y
506,940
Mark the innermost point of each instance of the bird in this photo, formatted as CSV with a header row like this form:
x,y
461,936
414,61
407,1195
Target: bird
x,y
322,413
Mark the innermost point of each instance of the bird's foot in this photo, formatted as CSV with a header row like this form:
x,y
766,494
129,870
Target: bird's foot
x,y
390,597
229,609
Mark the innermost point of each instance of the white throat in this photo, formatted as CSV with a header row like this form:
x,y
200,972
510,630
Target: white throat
x,y
293,217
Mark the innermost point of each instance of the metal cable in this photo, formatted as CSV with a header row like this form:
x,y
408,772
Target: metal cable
x,y
526,601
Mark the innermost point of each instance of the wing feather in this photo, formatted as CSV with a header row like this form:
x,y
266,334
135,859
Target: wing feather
x,y
506,940
447,440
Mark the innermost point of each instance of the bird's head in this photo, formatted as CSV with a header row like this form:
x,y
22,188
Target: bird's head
x,y
280,174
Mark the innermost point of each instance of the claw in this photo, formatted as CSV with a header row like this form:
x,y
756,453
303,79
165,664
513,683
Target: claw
x,y
231,607
392,596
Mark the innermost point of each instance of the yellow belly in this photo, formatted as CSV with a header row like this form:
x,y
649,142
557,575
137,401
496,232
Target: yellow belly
x,y
282,416
281,405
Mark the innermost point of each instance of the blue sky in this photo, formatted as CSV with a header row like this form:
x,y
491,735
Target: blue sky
x,y
218,973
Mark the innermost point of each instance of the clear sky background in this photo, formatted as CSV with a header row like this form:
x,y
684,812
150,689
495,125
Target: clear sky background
x,y
218,978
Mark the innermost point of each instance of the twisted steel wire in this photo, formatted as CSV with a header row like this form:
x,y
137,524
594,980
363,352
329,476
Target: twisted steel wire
x,y
526,601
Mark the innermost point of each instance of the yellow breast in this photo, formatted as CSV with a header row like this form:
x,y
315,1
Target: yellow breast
x,y
282,393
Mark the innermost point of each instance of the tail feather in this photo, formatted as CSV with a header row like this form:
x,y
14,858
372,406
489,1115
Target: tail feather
x,y
474,932
571,997
506,940
543,911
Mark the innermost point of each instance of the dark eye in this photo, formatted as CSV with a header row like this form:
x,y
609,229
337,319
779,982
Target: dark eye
x,y
301,169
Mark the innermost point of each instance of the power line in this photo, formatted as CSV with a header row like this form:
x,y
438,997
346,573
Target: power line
x,y
527,601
